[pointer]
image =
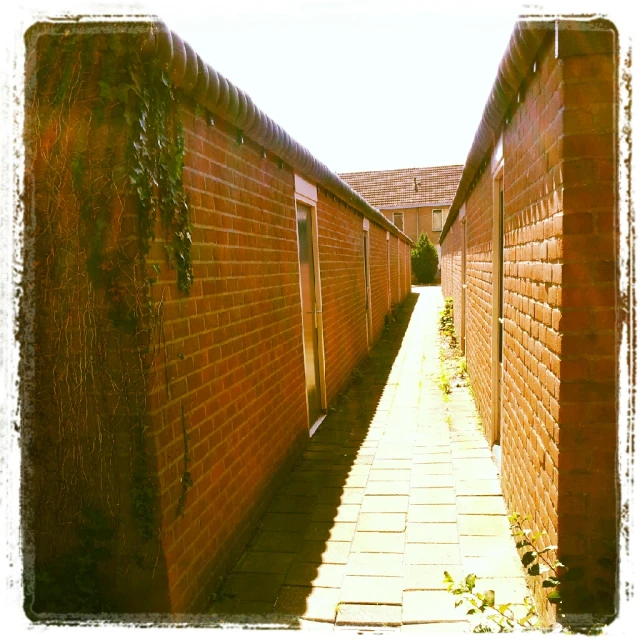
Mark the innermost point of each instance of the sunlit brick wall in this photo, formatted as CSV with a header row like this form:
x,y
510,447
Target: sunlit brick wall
x,y
341,246
588,525
394,244
231,374
558,428
234,358
451,265
378,278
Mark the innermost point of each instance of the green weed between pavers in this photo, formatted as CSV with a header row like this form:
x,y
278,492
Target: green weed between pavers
x,y
538,560
453,365
447,327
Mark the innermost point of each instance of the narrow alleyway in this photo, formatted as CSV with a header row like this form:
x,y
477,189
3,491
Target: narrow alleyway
x,y
396,487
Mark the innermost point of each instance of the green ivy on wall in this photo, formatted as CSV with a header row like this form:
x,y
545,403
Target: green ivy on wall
x,y
105,160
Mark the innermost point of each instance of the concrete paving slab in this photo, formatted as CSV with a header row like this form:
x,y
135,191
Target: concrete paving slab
x,y
487,546
393,475
483,525
421,480
336,531
432,553
332,495
395,487
378,542
375,564
432,532
323,552
506,566
481,505
317,603
253,587
340,481
276,541
273,521
432,513
291,504
371,590
369,615
430,606
264,562
387,488
431,458
384,463
478,487
309,574
479,452
505,589
385,504
429,577
432,496
383,522
335,513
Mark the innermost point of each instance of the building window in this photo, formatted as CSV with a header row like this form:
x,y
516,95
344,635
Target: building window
x,y
398,220
437,219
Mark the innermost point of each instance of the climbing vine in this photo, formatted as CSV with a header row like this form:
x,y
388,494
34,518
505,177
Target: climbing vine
x,y
105,154
157,161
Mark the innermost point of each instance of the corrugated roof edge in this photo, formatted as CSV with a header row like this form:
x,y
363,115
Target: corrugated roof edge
x,y
524,44
213,91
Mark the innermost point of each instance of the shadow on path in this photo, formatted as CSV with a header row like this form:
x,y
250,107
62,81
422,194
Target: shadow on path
x,y
296,560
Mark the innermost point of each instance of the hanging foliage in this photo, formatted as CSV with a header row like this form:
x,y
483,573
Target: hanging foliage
x,y
105,156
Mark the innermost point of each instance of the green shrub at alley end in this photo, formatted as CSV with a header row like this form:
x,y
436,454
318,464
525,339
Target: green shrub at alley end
x,y
424,260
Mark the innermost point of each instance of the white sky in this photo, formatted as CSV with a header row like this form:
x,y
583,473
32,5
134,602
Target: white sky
x,y
373,85
363,84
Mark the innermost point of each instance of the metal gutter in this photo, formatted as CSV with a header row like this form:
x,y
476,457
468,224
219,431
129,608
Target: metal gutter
x,y
525,41
214,92
210,89
588,34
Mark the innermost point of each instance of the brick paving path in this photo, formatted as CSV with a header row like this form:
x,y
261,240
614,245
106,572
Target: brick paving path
x,y
388,494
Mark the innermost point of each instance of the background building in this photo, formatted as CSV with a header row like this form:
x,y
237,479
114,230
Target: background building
x,y
416,200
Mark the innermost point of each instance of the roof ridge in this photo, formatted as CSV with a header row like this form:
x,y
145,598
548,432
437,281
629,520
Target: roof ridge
x,y
438,166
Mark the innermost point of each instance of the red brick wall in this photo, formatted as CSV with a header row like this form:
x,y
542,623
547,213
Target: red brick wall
x,y
418,221
479,289
219,396
234,346
450,267
395,271
232,360
533,210
588,501
340,240
558,430
378,278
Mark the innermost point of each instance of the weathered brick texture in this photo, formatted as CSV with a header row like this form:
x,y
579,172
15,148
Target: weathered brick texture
x,y
558,428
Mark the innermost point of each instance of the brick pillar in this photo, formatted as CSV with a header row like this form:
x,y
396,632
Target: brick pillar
x,y
587,484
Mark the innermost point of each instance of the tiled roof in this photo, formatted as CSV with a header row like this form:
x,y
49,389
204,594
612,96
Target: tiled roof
x,y
397,187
